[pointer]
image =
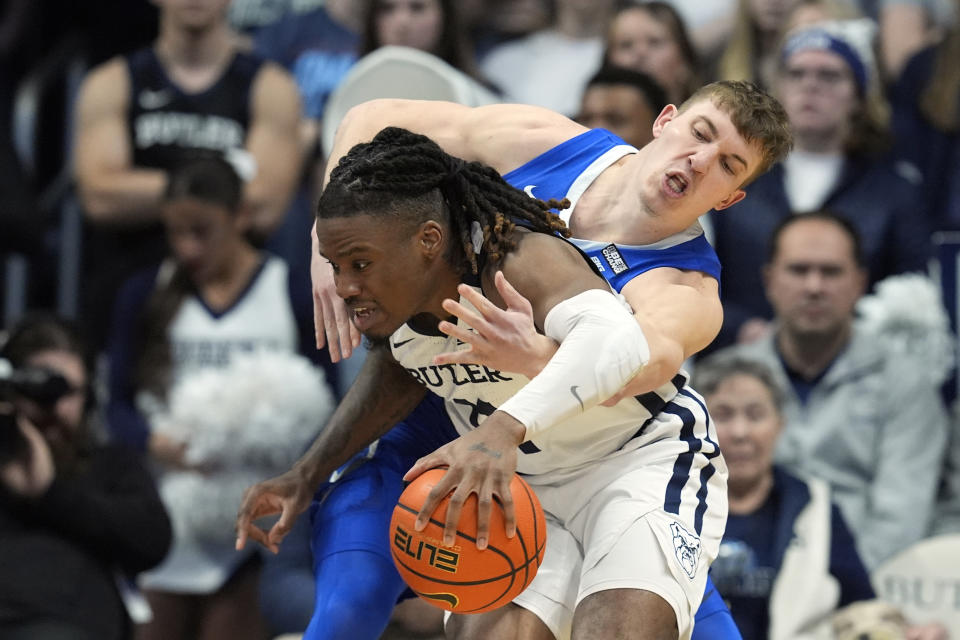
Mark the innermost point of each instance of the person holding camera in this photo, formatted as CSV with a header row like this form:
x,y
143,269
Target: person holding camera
x,y
76,519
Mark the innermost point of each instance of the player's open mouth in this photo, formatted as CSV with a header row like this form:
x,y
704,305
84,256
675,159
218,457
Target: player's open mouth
x,y
675,184
363,316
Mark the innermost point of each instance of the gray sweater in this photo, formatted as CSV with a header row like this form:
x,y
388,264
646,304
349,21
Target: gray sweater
x,y
874,427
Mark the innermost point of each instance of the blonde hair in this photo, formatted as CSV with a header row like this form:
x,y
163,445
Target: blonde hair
x,y
758,117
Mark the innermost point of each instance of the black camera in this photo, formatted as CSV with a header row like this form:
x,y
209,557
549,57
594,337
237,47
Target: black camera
x,y
38,384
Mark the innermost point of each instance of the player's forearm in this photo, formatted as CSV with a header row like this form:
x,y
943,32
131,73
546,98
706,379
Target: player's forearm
x,y
381,396
125,197
601,349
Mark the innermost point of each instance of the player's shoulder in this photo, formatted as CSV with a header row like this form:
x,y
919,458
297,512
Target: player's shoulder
x,y
536,252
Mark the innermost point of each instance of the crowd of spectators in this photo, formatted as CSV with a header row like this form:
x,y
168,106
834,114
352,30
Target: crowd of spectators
x,y
195,152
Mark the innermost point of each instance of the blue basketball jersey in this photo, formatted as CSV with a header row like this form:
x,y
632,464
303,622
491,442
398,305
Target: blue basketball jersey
x,y
566,170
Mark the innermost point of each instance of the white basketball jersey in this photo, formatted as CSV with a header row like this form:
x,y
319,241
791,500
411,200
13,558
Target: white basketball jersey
x,y
473,392
261,318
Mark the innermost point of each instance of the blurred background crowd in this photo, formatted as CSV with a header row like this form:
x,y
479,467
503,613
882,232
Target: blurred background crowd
x,y
159,161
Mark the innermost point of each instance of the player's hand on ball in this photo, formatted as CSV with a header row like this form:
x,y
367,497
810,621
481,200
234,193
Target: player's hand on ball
x,y
288,495
481,462
505,339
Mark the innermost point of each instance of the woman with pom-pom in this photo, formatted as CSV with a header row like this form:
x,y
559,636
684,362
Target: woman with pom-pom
x,y
207,378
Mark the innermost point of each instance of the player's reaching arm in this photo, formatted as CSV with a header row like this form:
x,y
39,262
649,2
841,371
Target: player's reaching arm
x,y
382,395
678,311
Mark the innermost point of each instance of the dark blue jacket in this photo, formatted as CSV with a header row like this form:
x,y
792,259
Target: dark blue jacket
x,y
883,205
934,152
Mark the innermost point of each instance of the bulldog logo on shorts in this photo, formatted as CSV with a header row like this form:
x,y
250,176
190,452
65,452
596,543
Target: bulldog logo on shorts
x,y
686,546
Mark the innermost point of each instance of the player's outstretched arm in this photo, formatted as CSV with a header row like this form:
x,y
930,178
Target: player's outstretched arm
x,y
382,395
679,312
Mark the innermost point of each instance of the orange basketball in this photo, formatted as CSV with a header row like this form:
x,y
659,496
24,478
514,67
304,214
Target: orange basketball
x,y
460,578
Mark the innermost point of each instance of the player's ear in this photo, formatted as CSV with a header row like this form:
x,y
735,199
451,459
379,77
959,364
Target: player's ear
x,y
669,113
730,200
430,238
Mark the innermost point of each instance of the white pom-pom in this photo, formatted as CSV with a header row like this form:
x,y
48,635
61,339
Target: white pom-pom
x,y
907,312
242,423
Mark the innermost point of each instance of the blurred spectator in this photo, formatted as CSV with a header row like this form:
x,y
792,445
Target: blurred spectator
x,y
926,124
828,85
74,516
652,38
24,39
318,47
205,377
859,413
493,22
138,114
788,565
809,12
550,67
946,519
709,24
428,25
624,102
248,17
774,587
908,26
753,50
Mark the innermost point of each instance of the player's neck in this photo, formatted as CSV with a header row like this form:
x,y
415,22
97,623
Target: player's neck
x,y
611,207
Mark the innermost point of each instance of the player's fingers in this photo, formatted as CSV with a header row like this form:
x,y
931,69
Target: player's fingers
x,y
506,502
419,467
318,326
279,531
454,508
469,317
484,509
511,296
343,326
458,332
354,335
483,304
330,329
436,494
257,534
241,539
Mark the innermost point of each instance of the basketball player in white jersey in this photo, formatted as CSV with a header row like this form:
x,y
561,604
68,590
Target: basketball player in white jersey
x,y
703,130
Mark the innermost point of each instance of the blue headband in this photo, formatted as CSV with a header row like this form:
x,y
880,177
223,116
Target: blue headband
x,y
823,41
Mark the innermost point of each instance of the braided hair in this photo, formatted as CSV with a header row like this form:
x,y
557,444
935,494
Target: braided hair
x,y
408,176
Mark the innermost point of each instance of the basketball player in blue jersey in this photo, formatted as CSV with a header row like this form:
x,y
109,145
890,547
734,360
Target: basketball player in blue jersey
x,y
691,266
727,115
